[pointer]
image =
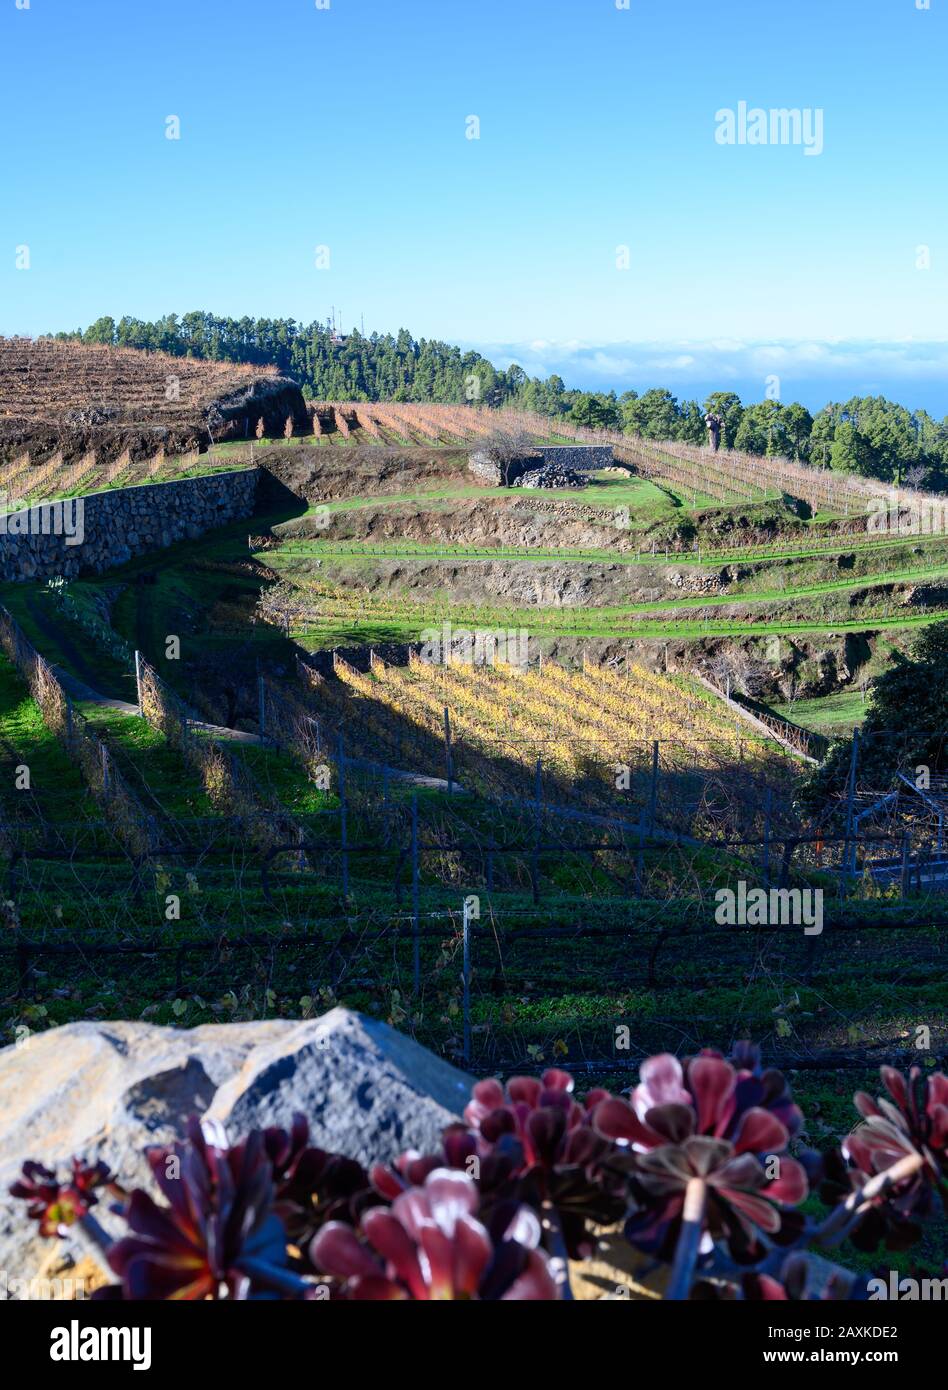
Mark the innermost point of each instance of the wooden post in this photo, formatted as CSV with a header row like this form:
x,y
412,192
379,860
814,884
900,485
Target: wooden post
x,y
138,680
849,857
653,789
538,797
466,984
640,857
447,748
343,831
415,923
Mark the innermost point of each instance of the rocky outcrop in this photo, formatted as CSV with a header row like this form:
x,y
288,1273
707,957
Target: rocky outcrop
x,y
273,399
107,1090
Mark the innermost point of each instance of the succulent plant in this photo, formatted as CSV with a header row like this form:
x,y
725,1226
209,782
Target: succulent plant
x,y
695,1161
311,1185
706,1160
707,1096
913,1118
741,1202
885,1176
58,1204
429,1245
218,1237
528,1143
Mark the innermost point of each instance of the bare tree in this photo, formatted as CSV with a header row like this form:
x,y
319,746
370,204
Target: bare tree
x,y
733,669
791,688
506,448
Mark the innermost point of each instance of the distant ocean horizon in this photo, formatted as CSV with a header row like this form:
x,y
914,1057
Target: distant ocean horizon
x,y
913,374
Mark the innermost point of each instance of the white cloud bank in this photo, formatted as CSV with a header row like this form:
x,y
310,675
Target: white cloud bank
x,y
813,372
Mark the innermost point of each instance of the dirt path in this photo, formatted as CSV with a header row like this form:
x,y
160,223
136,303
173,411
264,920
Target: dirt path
x,y
60,640
82,693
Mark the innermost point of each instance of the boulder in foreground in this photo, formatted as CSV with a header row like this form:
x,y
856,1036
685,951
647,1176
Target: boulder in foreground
x,y
108,1090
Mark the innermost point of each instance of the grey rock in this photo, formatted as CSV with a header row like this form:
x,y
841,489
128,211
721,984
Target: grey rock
x,y
109,1090
549,476
367,1090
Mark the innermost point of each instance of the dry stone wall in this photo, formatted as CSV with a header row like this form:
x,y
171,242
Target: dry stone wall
x,y
578,456
565,458
86,535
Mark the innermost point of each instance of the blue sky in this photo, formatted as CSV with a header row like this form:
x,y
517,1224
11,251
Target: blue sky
x,y
346,128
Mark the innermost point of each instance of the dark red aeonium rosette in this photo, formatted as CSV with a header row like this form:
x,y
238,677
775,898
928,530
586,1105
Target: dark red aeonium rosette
x,y
907,1131
718,1093
429,1245
712,1123
914,1116
313,1186
527,1143
217,1238
57,1205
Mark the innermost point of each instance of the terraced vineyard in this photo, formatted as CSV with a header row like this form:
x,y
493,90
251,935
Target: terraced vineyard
x,y
22,482
309,801
579,725
79,417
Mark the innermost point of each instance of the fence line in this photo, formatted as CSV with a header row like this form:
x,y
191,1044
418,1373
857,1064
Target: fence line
x,y
132,823
228,783
467,934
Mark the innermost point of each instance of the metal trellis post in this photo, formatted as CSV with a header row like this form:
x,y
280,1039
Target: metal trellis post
x,y
343,834
415,923
653,789
466,984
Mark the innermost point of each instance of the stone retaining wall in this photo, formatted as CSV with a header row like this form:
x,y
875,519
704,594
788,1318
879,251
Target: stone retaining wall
x,y
583,456
90,534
